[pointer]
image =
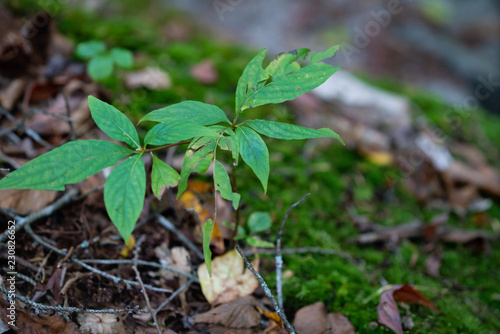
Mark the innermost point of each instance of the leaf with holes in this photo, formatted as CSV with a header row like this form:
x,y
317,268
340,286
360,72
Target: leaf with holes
x,y
124,194
113,122
67,164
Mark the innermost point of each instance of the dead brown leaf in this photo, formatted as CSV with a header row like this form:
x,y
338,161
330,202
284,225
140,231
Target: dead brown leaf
x,y
205,72
239,313
25,201
228,281
94,323
30,323
151,78
388,313
176,258
313,319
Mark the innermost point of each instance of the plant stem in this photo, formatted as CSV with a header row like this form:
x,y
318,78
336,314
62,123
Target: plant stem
x,y
165,146
235,190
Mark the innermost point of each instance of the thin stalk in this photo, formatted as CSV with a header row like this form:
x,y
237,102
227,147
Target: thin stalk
x,y
235,190
165,146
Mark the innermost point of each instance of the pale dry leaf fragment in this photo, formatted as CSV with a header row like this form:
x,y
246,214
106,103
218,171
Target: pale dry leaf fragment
x,y
339,324
228,281
151,78
204,72
176,258
239,313
25,201
91,323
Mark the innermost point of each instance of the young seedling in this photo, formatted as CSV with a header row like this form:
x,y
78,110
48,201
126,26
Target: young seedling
x,y
102,61
206,129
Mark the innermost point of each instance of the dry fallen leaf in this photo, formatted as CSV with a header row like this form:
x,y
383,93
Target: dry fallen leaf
x,y
313,319
25,201
176,258
151,78
205,72
92,323
239,313
388,313
228,281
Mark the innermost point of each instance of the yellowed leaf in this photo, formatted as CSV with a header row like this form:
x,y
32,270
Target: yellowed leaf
x,y
228,281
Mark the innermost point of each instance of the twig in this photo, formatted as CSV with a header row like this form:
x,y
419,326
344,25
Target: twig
x,y
35,136
142,263
72,135
279,258
42,307
169,299
139,279
113,278
268,292
47,211
170,227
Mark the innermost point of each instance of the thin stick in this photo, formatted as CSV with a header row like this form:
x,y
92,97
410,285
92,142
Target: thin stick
x,y
170,227
139,279
169,299
42,307
268,292
72,135
279,258
141,263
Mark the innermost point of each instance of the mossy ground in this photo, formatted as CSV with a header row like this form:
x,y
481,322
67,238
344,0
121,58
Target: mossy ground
x,y
467,291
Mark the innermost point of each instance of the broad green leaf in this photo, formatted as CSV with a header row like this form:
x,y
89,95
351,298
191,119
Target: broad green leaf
x,y
229,143
100,67
113,122
315,57
191,111
221,182
67,164
124,193
252,75
162,176
208,227
257,242
195,160
290,86
175,131
292,67
258,222
122,57
90,49
278,66
289,131
254,152
236,200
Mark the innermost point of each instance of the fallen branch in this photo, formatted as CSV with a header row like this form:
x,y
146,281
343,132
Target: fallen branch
x,y
279,258
268,292
139,279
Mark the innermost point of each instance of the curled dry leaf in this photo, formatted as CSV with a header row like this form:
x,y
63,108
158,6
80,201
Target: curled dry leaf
x,y
25,201
388,313
92,323
239,313
228,281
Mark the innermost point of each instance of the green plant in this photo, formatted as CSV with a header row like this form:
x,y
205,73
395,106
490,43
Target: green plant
x,y
102,61
257,222
206,129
